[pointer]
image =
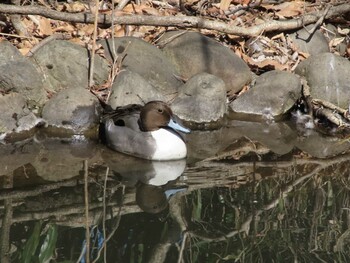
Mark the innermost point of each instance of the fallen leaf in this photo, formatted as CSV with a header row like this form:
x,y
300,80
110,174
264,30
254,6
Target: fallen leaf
x,y
45,26
265,63
150,11
288,9
225,4
336,41
343,31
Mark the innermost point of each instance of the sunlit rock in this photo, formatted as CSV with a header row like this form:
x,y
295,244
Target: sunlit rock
x,y
9,52
328,77
320,146
131,88
194,53
145,59
66,65
74,109
21,76
201,99
15,116
312,44
274,94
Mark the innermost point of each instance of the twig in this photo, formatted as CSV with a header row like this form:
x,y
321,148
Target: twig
x,y
180,21
180,259
18,36
87,225
17,22
318,23
241,7
104,213
115,227
92,57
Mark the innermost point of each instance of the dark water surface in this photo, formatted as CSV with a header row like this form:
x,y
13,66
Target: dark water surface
x,y
249,192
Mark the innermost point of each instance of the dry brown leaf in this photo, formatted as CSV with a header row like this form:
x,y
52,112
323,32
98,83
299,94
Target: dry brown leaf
x,y
133,9
336,41
119,31
225,4
290,9
267,62
64,28
150,11
88,29
75,7
45,27
343,31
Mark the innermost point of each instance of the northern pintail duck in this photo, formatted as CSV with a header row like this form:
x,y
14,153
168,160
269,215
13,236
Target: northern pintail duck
x,y
149,132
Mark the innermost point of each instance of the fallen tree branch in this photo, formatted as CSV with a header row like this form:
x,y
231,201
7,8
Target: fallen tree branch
x,y
178,21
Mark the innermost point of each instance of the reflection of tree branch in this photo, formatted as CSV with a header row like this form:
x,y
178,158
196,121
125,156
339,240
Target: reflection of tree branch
x,y
6,226
182,247
222,173
246,224
115,227
37,190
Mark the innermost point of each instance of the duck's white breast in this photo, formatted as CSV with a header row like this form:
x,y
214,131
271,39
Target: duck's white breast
x,y
169,146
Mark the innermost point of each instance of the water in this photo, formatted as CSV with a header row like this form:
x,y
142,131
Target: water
x,y
249,192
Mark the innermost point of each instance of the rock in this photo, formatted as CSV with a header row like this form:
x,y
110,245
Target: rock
x,y
328,77
320,146
336,40
276,136
315,44
205,144
21,76
194,53
130,88
15,156
66,65
8,53
15,115
73,109
201,99
57,160
274,94
146,60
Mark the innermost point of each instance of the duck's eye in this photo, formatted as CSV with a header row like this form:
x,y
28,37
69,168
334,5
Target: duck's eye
x,y
160,110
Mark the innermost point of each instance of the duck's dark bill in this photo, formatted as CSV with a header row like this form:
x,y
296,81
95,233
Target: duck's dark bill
x,y
178,127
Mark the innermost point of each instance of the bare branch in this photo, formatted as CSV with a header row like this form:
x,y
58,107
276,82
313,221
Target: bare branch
x,y
179,21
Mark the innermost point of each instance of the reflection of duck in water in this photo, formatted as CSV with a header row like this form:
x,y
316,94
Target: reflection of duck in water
x,y
152,179
154,199
148,132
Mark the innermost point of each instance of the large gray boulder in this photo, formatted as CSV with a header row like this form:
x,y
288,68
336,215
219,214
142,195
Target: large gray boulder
x,y
15,116
194,53
66,65
22,77
73,109
274,94
145,59
312,44
131,88
8,52
201,99
328,77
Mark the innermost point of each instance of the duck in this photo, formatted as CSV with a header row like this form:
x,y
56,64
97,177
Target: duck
x,y
149,131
